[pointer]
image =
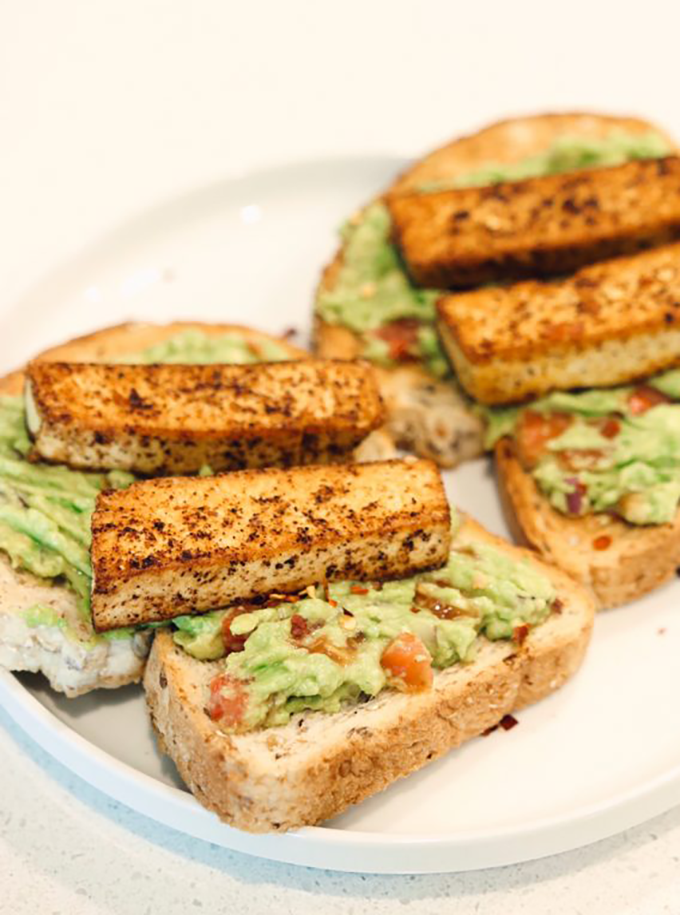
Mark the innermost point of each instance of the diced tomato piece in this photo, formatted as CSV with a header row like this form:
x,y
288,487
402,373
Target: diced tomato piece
x,y
610,427
228,700
402,337
232,642
534,432
407,663
520,633
644,398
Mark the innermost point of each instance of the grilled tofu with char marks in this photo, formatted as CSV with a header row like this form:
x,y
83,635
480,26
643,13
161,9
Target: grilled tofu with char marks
x,y
166,547
608,324
173,419
539,226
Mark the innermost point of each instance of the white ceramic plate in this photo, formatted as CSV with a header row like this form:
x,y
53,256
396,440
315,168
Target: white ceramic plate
x,y
599,756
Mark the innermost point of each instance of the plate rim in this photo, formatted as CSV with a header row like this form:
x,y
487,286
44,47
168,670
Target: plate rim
x,y
311,846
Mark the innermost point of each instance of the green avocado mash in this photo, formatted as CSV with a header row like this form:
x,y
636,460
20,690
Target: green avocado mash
x,y
372,294
614,450
45,510
566,154
323,651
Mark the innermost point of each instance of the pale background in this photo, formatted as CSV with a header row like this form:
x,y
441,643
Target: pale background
x,y
107,108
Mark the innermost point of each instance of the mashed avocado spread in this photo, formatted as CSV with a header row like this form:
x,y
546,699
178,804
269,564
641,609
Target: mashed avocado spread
x,y
372,294
353,640
604,450
45,510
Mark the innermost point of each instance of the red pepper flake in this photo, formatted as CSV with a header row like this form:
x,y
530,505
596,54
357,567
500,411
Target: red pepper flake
x,y
299,627
355,589
519,634
557,605
602,543
508,722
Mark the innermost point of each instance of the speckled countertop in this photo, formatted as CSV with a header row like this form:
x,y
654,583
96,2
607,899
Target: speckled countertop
x,y
66,848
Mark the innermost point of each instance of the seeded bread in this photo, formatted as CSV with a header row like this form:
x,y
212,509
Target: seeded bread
x,y
426,415
609,324
617,561
318,765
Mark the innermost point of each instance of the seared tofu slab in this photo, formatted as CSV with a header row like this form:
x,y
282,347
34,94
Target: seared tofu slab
x,y
539,226
607,324
174,419
166,547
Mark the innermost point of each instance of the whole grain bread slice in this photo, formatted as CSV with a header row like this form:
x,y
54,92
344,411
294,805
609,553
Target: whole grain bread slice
x,y
76,666
316,766
619,562
427,415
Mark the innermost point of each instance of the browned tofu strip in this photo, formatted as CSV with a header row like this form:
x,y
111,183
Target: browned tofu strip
x,y
539,226
608,324
180,545
168,419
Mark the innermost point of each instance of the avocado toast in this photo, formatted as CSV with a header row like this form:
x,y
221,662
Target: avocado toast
x,y
592,481
45,574
367,306
283,715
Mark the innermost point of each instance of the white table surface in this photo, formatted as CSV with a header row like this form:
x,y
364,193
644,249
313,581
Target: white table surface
x,y
108,107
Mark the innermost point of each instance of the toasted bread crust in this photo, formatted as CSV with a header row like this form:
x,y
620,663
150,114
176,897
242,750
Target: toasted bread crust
x,y
514,139
636,561
169,546
539,226
173,419
318,765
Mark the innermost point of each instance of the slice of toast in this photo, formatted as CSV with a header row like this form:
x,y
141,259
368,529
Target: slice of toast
x,y
174,419
166,547
66,651
427,415
608,324
619,562
536,227
316,766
